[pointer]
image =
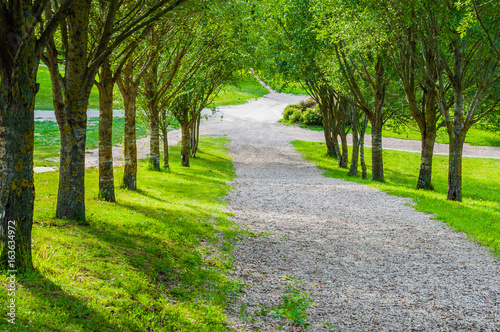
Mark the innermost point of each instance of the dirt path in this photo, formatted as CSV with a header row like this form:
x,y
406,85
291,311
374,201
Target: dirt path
x,y
369,261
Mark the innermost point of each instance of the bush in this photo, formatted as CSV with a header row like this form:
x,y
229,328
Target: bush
x,y
306,112
295,117
312,117
289,111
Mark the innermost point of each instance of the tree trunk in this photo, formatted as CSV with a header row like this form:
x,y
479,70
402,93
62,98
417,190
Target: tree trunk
x,y
106,178
128,89
355,143
377,157
185,143
130,147
195,136
364,173
154,143
17,190
425,175
344,160
71,195
165,150
455,169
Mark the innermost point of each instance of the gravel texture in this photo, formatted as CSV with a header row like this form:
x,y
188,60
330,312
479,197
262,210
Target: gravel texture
x,y
368,261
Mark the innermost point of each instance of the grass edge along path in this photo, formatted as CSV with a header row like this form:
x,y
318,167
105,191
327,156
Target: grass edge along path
x,y
157,260
478,215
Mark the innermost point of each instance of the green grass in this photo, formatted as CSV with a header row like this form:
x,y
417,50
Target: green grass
x,y
44,99
157,260
475,136
246,88
48,141
478,215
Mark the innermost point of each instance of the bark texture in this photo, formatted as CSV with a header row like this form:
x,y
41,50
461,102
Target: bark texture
x,y
128,89
185,148
106,177
17,191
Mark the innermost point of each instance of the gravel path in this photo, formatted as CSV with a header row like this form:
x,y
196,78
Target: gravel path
x,y
369,261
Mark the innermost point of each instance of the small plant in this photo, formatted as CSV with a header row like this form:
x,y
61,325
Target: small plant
x,y
295,303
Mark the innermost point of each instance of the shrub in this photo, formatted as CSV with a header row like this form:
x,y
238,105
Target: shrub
x,y
289,111
306,112
312,117
295,117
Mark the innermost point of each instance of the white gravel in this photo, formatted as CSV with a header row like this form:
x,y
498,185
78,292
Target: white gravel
x,y
369,261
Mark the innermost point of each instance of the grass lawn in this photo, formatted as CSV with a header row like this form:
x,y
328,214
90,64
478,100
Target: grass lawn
x,y
48,141
157,260
478,215
244,89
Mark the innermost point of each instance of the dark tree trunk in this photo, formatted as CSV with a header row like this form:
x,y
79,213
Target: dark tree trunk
x,y
130,147
344,160
154,143
355,143
455,169
364,173
165,150
71,195
185,144
377,152
17,102
425,175
106,178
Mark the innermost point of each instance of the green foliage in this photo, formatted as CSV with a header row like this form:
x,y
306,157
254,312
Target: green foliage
x,y
306,113
295,303
475,216
157,260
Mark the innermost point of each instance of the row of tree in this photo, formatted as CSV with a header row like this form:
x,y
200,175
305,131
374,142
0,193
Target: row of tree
x,y
169,58
433,62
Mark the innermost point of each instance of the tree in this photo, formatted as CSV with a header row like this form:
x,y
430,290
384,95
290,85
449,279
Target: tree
x,y
23,34
83,55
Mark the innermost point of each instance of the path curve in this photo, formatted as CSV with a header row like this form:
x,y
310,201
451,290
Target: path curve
x,y
369,261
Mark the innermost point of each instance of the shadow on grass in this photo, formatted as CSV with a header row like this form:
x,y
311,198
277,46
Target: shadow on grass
x,y
52,298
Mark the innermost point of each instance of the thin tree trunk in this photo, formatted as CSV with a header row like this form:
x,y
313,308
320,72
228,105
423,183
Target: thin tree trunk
x,y
185,143
195,136
165,150
455,169
425,175
377,152
130,147
128,89
344,160
17,190
154,143
364,173
106,178
355,143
